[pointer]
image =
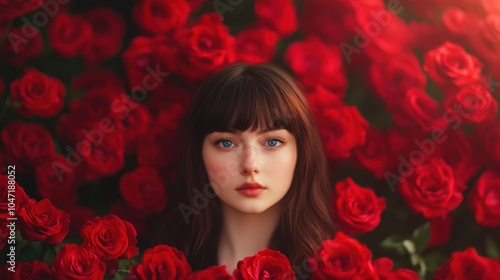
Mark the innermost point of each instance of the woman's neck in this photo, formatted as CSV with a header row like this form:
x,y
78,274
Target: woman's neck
x,y
243,234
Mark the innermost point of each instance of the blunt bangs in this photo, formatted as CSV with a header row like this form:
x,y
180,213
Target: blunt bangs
x,y
253,102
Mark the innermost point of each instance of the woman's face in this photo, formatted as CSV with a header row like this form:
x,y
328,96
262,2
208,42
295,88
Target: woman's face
x,y
264,157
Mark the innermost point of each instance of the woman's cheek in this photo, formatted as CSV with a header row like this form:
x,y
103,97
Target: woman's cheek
x,y
219,168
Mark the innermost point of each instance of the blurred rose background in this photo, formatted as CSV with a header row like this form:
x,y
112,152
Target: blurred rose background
x,y
405,94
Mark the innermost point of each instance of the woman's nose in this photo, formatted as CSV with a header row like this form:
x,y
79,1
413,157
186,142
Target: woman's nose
x,y
249,163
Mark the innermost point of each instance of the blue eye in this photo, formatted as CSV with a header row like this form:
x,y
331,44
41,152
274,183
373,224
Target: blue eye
x,y
274,143
226,143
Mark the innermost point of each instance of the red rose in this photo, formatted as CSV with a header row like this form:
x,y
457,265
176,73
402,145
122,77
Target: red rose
x,y
136,119
266,264
4,233
108,29
94,128
484,200
213,272
342,129
450,66
3,167
342,258
374,154
156,16
491,7
141,222
484,37
321,98
431,189
376,28
26,145
415,108
109,237
383,267
79,216
93,116
461,154
256,45
139,55
466,265
488,135
277,15
57,181
4,25
161,262
37,94
41,271
454,20
168,93
472,104
440,231
157,147
21,46
98,78
195,4
391,77
427,35
401,274
104,109
356,209
335,21
10,186
26,271
68,34
104,159
202,49
144,190
313,62
41,221
75,262
14,8
401,141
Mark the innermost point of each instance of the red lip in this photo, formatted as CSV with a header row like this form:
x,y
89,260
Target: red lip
x,y
248,185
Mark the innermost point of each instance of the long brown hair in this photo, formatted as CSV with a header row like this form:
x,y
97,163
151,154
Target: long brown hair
x,y
241,97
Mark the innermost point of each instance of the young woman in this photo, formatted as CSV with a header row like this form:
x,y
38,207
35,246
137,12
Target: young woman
x,y
252,172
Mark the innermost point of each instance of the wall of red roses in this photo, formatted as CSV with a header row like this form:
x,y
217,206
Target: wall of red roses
x,y
405,95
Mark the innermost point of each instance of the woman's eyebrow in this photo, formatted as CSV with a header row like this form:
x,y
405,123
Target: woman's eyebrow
x,y
265,130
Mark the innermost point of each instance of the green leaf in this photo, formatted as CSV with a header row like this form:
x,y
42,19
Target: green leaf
x,y
421,237
415,259
409,246
31,251
50,254
124,264
121,274
10,104
491,248
57,247
395,242
434,260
